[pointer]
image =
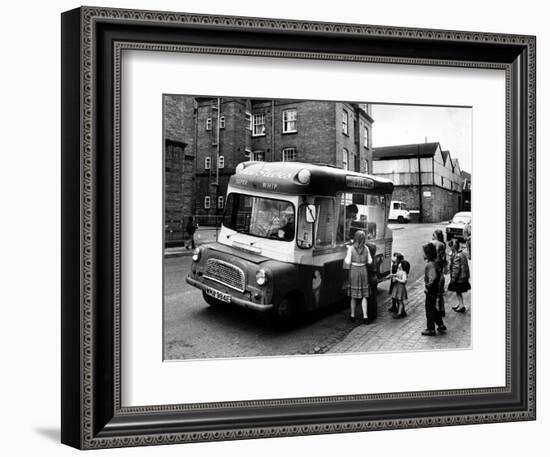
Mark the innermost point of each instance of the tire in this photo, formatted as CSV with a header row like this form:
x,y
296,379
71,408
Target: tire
x,y
286,312
214,302
400,219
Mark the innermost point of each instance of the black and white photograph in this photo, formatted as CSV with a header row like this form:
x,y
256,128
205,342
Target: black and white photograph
x,y
309,227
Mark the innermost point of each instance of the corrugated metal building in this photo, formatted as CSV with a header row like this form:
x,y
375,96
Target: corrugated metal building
x,y
426,178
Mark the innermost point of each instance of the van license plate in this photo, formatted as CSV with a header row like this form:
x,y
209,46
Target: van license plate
x,y
218,295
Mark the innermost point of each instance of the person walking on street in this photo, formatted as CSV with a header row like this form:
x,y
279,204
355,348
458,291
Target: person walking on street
x,y
191,228
460,275
442,264
357,259
431,289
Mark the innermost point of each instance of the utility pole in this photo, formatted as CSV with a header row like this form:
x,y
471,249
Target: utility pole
x,y
273,130
218,150
420,217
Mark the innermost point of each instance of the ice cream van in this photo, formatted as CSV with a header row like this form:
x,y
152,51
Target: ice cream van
x,y
283,237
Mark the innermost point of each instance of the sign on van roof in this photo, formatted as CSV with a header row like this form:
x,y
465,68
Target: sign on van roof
x,y
305,178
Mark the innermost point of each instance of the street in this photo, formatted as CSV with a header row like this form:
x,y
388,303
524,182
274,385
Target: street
x,y
192,329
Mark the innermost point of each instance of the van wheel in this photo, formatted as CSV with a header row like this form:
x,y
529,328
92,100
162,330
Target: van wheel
x,y
400,219
211,300
286,312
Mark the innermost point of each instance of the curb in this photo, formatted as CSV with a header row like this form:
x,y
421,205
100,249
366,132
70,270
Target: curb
x,y
186,253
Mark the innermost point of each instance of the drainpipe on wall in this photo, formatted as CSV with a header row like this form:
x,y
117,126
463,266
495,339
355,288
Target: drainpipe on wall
x,y
420,216
273,130
195,154
217,184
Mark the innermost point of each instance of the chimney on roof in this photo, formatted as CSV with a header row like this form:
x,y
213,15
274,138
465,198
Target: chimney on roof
x,y
425,139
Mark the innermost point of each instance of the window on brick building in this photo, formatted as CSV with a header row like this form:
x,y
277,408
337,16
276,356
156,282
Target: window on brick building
x,y
365,136
207,202
207,163
222,122
258,124
221,162
220,202
248,120
289,121
345,159
345,122
289,154
208,123
257,156
352,158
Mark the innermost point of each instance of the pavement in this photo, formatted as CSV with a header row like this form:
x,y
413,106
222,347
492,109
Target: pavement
x,y
194,330
387,334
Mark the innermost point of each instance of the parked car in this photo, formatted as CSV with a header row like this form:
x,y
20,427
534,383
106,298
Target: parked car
x,y
457,226
399,212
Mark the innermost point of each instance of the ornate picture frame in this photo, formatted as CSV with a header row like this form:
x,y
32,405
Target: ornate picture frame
x,y
93,39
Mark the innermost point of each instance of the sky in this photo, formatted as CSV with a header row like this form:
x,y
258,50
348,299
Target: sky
x,y
406,124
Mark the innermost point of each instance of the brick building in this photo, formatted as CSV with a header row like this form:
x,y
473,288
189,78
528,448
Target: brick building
x,y
466,191
179,165
435,191
222,132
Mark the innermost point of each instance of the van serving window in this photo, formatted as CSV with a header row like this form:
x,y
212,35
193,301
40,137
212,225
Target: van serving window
x,y
360,211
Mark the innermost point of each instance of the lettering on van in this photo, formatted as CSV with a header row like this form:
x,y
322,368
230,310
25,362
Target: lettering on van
x,y
270,185
278,173
359,182
241,181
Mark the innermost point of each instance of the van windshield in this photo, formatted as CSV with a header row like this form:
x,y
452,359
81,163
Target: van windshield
x,y
260,216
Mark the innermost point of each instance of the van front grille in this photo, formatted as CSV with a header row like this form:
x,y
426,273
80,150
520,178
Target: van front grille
x,y
225,273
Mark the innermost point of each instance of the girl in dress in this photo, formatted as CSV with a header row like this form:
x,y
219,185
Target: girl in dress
x,y
358,257
460,275
399,293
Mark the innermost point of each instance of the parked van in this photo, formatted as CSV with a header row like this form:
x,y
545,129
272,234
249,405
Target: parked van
x,y
283,238
399,212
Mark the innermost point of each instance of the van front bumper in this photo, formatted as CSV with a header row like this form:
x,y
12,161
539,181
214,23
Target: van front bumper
x,y
235,300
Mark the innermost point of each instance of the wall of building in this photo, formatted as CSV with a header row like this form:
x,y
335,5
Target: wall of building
x,y
314,136
178,119
179,169
233,142
318,138
365,144
405,171
438,204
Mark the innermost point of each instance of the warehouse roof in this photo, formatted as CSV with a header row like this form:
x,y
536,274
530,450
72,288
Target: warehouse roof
x,y
403,151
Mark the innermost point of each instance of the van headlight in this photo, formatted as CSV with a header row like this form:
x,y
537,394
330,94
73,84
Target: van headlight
x,y
304,176
196,255
261,277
